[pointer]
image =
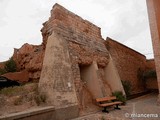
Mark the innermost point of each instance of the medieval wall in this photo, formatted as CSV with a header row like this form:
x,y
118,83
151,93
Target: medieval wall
x,y
66,33
151,83
130,64
150,64
84,44
68,22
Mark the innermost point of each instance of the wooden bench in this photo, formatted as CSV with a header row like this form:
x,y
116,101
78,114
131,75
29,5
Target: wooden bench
x,y
108,101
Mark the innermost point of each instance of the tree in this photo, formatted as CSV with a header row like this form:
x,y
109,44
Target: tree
x,y
10,65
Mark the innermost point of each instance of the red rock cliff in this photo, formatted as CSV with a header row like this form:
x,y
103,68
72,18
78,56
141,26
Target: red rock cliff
x,y
30,58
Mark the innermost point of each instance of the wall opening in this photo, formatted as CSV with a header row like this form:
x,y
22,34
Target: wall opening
x,y
84,76
84,73
89,75
86,94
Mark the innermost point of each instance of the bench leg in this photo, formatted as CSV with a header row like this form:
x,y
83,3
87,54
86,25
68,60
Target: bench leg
x,y
105,110
117,107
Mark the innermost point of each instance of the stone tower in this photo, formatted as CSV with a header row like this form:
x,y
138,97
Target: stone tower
x,y
154,19
77,67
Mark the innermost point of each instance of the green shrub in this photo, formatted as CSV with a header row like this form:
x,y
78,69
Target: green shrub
x,y
127,87
2,71
119,95
149,74
10,65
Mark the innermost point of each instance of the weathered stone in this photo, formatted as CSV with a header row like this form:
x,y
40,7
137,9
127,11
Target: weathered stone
x,y
74,62
130,65
30,58
151,83
56,80
154,20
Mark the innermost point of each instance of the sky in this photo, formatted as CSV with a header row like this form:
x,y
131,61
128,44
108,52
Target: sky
x,y
125,21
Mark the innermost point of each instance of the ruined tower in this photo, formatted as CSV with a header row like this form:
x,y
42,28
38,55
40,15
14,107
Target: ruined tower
x,y
77,67
154,19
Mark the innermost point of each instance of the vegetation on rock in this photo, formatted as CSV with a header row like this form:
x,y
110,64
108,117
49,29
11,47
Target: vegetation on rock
x,y
10,66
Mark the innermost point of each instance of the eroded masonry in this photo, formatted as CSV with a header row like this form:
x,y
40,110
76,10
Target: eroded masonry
x,y
77,67
154,20
74,65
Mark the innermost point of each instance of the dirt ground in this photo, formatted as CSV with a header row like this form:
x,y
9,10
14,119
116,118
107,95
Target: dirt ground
x,y
19,98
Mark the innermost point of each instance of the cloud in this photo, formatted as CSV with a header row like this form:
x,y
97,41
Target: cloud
x,y
128,24
137,42
123,20
8,52
130,19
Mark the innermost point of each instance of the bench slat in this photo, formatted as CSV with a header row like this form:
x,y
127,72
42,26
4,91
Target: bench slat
x,y
110,104
105,99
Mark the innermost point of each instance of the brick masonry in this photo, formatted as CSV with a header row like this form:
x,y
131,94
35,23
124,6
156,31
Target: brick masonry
x,y
154,19
71,43
82,40
130,65
151,83
85,45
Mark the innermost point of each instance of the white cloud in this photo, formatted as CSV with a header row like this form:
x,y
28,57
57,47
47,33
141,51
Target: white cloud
x,y
123,20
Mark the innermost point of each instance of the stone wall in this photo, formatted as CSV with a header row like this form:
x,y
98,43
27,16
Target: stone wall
x,y
77,67
151,83
84,45
150,64
130,64
74,46
154,20
83,36
63,20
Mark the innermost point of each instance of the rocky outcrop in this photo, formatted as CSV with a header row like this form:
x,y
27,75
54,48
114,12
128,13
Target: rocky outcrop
x,y
29,58
21,77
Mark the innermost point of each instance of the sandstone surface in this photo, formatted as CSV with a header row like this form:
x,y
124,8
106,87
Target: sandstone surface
x,y
29,58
